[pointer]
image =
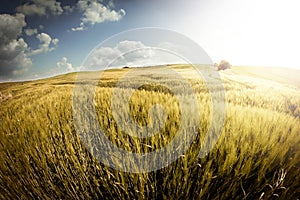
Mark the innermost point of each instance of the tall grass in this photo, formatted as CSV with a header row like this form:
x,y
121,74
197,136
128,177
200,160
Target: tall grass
x,y
42,156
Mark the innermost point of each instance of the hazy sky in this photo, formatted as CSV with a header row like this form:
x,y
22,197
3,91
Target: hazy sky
x,y
41,38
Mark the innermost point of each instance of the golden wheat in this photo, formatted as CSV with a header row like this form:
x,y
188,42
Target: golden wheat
x,y
42,156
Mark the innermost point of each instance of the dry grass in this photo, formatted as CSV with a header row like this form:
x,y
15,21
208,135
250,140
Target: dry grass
x,y
256,156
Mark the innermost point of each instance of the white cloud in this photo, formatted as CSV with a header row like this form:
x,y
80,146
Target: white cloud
x,y
79,28
31,9
126,45
132,53
68,8
30,31
64,64
40,7
11,27
45,44
95,12
13,59
55,41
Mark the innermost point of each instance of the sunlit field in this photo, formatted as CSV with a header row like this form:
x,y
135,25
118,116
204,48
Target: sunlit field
x,y
257,155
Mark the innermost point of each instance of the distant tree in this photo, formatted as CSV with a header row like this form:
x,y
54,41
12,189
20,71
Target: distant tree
x,y
216,65
223,65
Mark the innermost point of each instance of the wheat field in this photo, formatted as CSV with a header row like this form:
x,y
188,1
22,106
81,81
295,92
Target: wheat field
x,y
256,156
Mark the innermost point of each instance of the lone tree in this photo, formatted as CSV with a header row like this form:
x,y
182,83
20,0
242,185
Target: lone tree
x,y
223,65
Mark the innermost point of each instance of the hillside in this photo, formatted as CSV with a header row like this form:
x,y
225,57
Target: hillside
x,y
43,154
276,74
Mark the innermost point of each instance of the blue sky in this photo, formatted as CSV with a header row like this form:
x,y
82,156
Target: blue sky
x,y
41,38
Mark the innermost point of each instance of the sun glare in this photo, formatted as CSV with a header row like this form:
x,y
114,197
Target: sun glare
x,y
261,33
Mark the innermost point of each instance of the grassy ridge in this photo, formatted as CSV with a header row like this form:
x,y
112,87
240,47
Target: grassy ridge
x,y
257,154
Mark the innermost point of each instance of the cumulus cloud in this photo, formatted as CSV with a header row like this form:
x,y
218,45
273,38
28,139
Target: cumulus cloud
x,y
80,28
132,53
95,12
55,41
30,31
45,44
111,4
11,27
13,59
64,64
41,8
68,8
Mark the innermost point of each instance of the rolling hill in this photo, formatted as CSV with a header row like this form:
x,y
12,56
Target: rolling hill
x,y
256,155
